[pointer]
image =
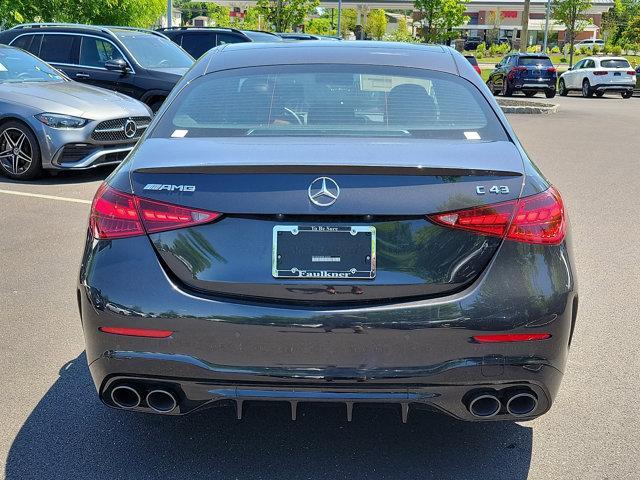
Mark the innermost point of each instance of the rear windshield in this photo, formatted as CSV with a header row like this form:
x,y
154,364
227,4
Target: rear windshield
x,y
262,36
615,63
472,59
331,100
154,51
535,61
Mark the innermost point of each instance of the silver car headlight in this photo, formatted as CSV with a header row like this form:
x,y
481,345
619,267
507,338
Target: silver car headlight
x,y
56,120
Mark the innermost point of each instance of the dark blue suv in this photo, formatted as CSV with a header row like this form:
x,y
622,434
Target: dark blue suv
x,y
527,72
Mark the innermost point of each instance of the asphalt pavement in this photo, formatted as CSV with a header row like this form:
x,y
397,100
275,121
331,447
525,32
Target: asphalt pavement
x,y
54,427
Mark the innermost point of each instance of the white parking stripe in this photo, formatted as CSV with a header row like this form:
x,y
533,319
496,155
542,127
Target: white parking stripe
x,y
47,197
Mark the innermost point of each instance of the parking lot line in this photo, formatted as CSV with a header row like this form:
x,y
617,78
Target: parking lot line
x,y
47,197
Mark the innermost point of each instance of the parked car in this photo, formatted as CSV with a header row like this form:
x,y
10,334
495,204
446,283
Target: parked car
x,y
294,36
140,63
529,73
198,40
638,77
48,121
471,43
472,60
599,75
352,223
590,44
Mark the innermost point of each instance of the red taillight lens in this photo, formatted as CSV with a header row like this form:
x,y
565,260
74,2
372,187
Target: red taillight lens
x,y
477,69
137,332
631,72
536,219
600,72
511,337
116,214
159,216
551,69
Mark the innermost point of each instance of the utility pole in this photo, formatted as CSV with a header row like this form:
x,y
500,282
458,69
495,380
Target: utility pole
x,y
546,26
339,33
524,34
169,13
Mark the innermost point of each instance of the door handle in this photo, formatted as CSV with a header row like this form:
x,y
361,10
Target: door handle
x,y
82,75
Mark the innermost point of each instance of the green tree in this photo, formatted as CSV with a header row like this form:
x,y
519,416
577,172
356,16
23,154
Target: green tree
x,y
616,20
348,21
136,13
402,33
376,25
572,14
319,26
439,17
283,15
217,13
631,35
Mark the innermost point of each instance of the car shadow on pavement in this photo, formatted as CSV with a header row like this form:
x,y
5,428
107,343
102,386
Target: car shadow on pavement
x,y
70,434
65,177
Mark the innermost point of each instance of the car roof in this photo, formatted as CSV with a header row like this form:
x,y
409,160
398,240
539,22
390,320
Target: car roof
x,y
238,55
75,28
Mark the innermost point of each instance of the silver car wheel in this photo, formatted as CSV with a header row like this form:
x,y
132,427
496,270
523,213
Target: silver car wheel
x,y
16,151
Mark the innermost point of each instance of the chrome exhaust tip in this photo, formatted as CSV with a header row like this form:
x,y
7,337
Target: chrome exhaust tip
x,y
125,397
484,406
521,404
161,401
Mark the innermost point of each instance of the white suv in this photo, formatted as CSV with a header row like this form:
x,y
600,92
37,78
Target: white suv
x,y
590,44
598,75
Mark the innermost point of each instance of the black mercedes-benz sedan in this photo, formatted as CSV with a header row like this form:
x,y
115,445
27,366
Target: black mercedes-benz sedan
x,y
351,222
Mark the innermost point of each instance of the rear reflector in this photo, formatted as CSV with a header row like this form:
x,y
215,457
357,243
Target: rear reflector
x,y
137,332
536,219
511,337
116,214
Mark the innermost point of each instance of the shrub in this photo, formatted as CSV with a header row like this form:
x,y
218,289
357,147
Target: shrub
x,y
532,49
481,50
606,48
595,50
555,49
563,60
584,51
504,48
616,50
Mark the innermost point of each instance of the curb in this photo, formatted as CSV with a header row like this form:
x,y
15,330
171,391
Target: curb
x,y
523,107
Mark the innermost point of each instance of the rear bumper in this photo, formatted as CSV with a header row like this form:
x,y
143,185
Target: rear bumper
x,y
534,84
415,353
617,87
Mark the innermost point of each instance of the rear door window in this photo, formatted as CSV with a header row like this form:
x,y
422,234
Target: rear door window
x,y
224,38
23,42
59,48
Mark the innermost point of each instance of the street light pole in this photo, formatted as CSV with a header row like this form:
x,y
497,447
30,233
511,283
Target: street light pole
x,y
169,13
546,26
339,17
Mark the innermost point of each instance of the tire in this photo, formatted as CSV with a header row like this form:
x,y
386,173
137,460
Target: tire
x,y
549,93
600,94
530,93
627,94
491,87
562,88
155,106
586,89
507,91
20,157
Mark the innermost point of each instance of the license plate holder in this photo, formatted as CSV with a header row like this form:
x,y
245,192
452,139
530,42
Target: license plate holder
x,y
324,252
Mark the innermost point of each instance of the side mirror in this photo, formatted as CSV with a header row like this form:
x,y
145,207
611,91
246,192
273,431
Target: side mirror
x,y
570,68
117,64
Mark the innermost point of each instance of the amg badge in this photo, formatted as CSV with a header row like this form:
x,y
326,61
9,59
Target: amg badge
x,y
170,188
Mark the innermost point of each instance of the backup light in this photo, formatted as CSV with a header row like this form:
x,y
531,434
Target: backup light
x,y
116,214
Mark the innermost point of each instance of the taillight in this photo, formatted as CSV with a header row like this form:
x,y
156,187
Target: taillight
x,y
631,72
536,219
115,214
600,72
551,70
477,69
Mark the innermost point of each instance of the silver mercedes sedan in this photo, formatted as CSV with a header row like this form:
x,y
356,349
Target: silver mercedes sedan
x,y
48,121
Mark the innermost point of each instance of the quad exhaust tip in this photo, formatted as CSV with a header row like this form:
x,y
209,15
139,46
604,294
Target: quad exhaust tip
x,y
125,397
484,406
161,401
522,404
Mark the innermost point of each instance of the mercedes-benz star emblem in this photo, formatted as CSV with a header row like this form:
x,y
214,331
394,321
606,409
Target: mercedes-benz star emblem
x,y
130,128
323,191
